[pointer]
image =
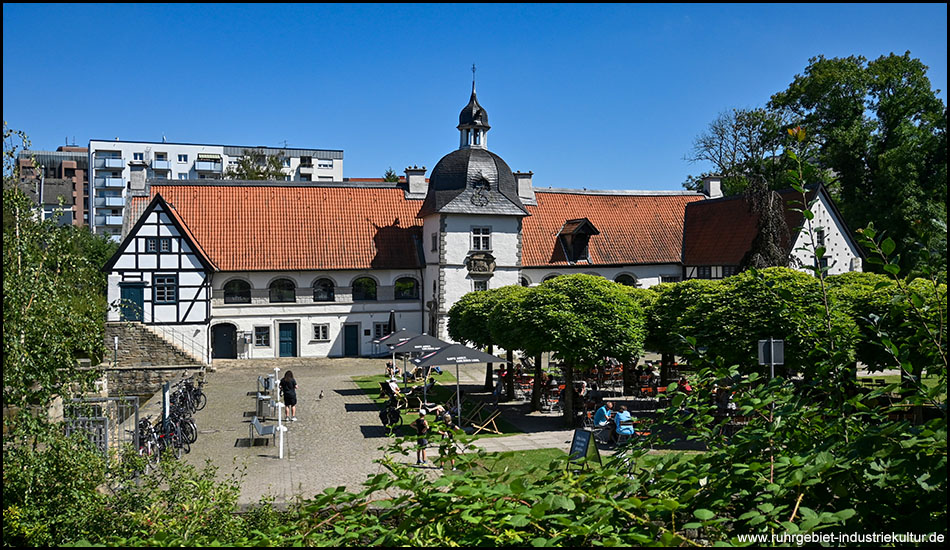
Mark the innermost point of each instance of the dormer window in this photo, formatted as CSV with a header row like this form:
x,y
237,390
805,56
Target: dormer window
x,y
575,236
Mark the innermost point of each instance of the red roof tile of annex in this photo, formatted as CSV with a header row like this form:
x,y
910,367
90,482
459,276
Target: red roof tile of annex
x,y
634,228
280,228
721,231
286,228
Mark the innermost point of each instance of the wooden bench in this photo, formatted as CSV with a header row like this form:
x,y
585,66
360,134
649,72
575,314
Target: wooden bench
x,y
261,429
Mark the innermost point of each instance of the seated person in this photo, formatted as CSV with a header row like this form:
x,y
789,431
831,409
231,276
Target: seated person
x,y
624,416
603,414
392,371
394,387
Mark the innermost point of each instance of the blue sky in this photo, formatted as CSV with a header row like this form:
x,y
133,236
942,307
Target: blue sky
x,y
597,96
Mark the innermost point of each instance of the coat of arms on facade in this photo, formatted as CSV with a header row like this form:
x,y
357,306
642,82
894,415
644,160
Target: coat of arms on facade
x,y
480,263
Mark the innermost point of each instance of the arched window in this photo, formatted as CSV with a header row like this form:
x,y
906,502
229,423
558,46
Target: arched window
x,y
407,289
525,281
282,290
625,279
237,291
323,291
549,277
364,289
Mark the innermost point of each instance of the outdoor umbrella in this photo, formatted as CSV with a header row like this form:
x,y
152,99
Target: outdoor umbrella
x,y
394,338
456,354
420,344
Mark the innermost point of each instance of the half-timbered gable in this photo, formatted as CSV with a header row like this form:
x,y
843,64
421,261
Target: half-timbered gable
x,y
160,275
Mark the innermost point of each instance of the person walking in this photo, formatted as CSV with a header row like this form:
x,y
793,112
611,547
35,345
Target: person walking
x,y
288,389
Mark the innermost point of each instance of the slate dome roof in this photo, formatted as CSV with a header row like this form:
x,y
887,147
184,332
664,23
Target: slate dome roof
x,y
463,171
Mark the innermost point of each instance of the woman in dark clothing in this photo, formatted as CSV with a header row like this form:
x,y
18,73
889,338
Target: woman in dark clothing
x,y
288,388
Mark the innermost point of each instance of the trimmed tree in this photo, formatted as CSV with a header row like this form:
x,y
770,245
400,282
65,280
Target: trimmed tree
x,y
468,323
583,319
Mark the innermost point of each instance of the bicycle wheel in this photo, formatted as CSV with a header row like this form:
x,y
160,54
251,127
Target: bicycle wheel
x,y
177,444
189,430
201,401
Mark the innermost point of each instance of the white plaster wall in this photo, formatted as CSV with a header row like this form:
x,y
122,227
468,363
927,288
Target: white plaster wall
x,y
504,238
305,312
841,251
304,320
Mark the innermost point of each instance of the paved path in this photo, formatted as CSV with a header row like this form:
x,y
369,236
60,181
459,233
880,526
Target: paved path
x,y
335,440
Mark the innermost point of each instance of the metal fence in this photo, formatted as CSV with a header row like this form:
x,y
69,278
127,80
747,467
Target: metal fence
x,y
108,422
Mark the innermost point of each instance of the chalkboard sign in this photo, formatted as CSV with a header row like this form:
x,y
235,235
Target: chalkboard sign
x,y
581,447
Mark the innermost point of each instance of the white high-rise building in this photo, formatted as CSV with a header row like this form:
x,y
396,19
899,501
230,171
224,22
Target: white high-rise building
x,y
116,167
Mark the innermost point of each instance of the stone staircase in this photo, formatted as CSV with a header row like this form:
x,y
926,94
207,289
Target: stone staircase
x,y
139,346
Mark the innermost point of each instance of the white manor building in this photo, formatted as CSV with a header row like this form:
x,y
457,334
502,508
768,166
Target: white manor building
x,y
315,269
121,167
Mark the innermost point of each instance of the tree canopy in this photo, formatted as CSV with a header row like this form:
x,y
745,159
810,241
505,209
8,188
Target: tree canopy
x,y
256,164
882,130
877,137
53,298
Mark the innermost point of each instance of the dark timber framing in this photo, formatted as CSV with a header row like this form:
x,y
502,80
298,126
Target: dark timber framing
x,y
189,297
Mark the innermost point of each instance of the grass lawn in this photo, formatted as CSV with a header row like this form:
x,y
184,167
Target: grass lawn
x,y
520,460
928,381
444,390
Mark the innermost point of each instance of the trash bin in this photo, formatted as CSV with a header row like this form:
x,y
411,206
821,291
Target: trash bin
x,y
263,404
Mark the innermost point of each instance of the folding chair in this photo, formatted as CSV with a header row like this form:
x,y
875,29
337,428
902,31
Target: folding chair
x,y
488,424
473,416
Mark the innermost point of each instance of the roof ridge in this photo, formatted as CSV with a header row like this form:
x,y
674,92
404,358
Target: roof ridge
x,y
620,192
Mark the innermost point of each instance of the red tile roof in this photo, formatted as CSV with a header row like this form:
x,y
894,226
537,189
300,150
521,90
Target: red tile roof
x,y
721,231
263,228
634,228
285,227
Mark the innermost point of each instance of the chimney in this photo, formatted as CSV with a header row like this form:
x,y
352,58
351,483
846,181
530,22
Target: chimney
x,y
416,179
525,189
712,186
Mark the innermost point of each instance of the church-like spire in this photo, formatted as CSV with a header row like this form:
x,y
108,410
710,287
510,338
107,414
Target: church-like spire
x,y
473,122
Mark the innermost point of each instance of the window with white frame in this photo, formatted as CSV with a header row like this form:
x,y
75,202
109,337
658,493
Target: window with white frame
x,y
481,238
480,285
182,158
380,330
138,156
321,332
262,337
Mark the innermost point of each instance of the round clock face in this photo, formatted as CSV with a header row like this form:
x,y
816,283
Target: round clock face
x,y
480,196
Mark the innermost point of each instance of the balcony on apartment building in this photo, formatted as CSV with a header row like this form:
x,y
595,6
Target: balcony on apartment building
x,y
208,163
110,163
306,166
109,183
108,220
114,202
161,165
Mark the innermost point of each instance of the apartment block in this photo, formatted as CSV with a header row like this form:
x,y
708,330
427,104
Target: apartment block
x,y
119,167
60,177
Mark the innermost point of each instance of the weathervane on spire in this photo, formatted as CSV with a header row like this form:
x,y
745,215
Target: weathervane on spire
x,y
473,77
